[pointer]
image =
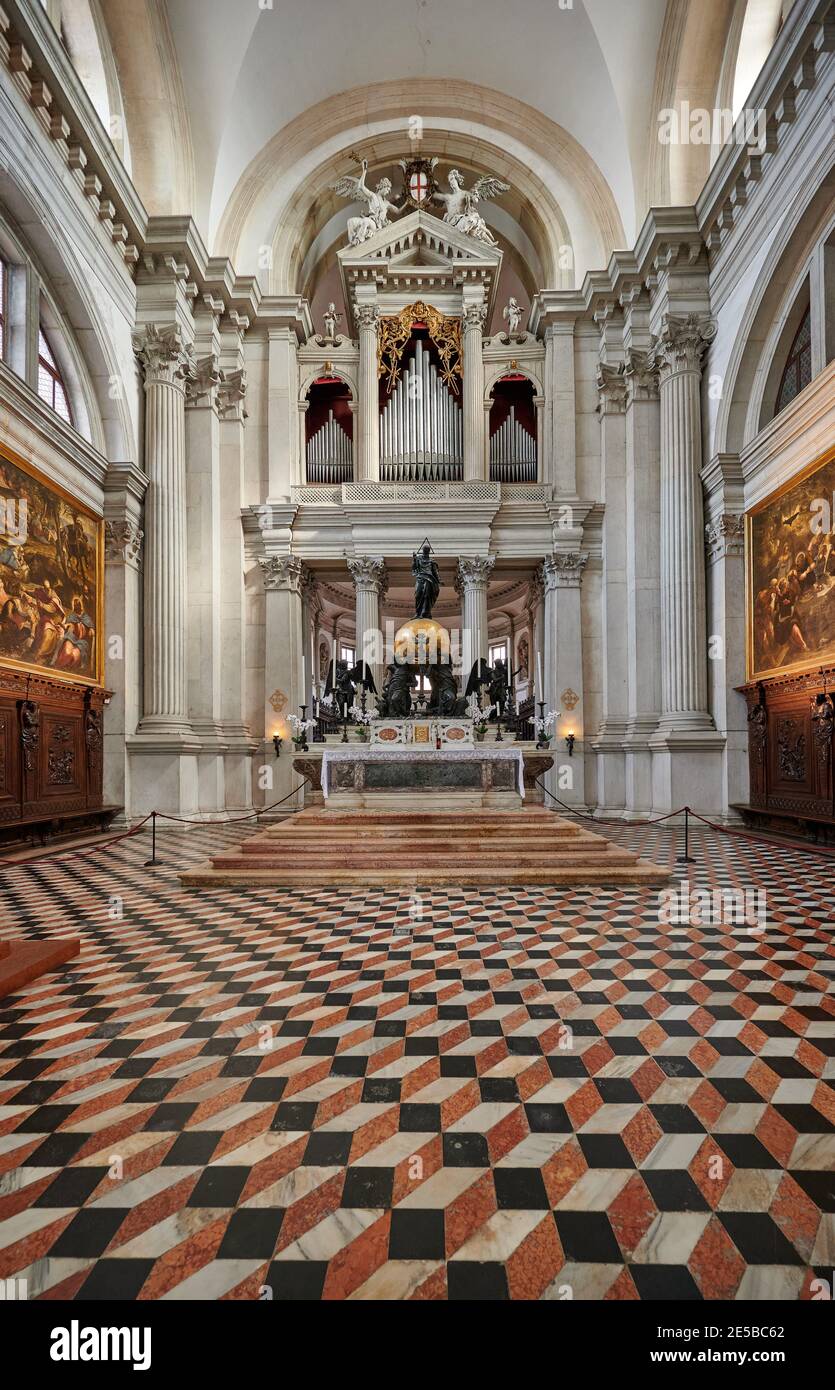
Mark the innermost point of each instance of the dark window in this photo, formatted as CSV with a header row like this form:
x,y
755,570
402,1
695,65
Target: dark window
x,y
50,383
798,370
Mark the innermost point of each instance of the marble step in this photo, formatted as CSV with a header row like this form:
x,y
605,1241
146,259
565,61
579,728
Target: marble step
x,y
24,961
639,872
442,859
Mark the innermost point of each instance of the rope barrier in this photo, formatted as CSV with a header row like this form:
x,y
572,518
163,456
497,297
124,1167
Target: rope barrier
x,y
135,830
601,820
687,811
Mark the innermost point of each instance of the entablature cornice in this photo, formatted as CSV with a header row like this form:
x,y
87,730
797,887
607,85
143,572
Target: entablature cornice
x,y
40,69
800,60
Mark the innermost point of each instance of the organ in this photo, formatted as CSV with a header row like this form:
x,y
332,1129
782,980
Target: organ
x,y
512,452
421,435
330,454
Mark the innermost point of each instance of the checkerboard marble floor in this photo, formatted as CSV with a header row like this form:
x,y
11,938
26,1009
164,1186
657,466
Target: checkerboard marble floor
x,y
527,1094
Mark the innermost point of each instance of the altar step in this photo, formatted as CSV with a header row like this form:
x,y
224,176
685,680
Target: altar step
x,y
475,849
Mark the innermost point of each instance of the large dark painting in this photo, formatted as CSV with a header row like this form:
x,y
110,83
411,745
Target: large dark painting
x,y
790,543
50,577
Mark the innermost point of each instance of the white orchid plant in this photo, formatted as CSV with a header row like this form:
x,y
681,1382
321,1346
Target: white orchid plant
x,y
544,724
300,727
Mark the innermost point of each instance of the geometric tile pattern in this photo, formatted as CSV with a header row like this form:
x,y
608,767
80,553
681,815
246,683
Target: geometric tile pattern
x,y
470,1095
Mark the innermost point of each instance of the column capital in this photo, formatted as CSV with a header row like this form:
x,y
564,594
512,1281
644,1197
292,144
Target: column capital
x,y
474,316
640,372
367,316
203,381
682,342
611,387
166,358
725,535
536,587
369,573
231,395
282,572
123,543
474,572
564,570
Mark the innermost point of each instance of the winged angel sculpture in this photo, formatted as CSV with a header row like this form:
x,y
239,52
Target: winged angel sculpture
x,y
462,204
377,205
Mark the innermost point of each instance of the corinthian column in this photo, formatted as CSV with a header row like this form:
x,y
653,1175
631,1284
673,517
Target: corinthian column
x,y
371,582
474,432
283,663
167,364
563,675
679,351
368,454
471,584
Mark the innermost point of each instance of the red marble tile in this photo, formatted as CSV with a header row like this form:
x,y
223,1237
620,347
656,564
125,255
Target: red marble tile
x,y
796,1215
716,1264
536,1261
711,1170
631,1214
641,1134
777,1135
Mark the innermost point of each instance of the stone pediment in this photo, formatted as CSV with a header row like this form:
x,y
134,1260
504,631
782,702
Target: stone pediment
x,y
419,256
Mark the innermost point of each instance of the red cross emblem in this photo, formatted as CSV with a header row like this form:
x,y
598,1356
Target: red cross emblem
x,y
418,185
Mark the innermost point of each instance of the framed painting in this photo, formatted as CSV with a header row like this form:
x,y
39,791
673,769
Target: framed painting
x,y
51,577
790,564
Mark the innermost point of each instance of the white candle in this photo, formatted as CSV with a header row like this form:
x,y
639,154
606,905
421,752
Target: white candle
x,y
334,663
539,688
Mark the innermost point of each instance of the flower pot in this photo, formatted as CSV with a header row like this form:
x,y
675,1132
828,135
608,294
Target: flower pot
x,y
479,736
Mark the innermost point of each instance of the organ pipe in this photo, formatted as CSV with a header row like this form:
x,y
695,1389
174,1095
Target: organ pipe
x,y
512,452
421,428
330,454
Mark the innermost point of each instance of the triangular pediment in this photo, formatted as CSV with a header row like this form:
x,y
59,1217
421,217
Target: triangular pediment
x,y
420,238
418,256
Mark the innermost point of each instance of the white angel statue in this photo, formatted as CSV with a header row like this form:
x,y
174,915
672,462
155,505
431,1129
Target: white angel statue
x,y
462,204
377,204
512,312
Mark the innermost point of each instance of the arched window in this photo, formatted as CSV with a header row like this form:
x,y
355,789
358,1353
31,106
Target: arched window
x,y
50,382
797,372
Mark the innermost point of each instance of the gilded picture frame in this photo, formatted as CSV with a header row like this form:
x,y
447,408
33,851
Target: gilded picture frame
x,y
51,577
790,575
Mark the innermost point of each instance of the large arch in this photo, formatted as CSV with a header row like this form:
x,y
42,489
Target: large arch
x,y
561,196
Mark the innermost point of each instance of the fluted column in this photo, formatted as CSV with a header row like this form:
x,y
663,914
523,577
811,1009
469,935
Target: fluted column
x,y
167,364
563,670
474,421
371,583
679,351
609,741
471,584
368,453
283,663
642,528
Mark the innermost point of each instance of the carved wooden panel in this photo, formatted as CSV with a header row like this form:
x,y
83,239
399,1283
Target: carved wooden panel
x,y
51,747
791,756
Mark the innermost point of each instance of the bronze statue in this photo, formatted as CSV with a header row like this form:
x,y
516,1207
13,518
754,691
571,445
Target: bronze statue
x,y
445,699
396,699
427,581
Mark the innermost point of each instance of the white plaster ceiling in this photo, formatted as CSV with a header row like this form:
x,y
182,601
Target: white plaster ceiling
x,y
248,71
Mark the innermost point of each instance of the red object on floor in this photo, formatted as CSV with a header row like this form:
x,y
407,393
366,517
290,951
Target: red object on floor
x,y
23,961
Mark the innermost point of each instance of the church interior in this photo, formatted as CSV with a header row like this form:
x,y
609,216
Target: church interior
x,y
417,651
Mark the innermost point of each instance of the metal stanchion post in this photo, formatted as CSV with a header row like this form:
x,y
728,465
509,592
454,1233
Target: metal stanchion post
x,y
685,857
153,861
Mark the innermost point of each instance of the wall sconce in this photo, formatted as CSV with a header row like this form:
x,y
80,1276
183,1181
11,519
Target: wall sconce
x,y
277,742
569,743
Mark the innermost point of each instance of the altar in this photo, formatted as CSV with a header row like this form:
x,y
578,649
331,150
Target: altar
x,y
345,776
